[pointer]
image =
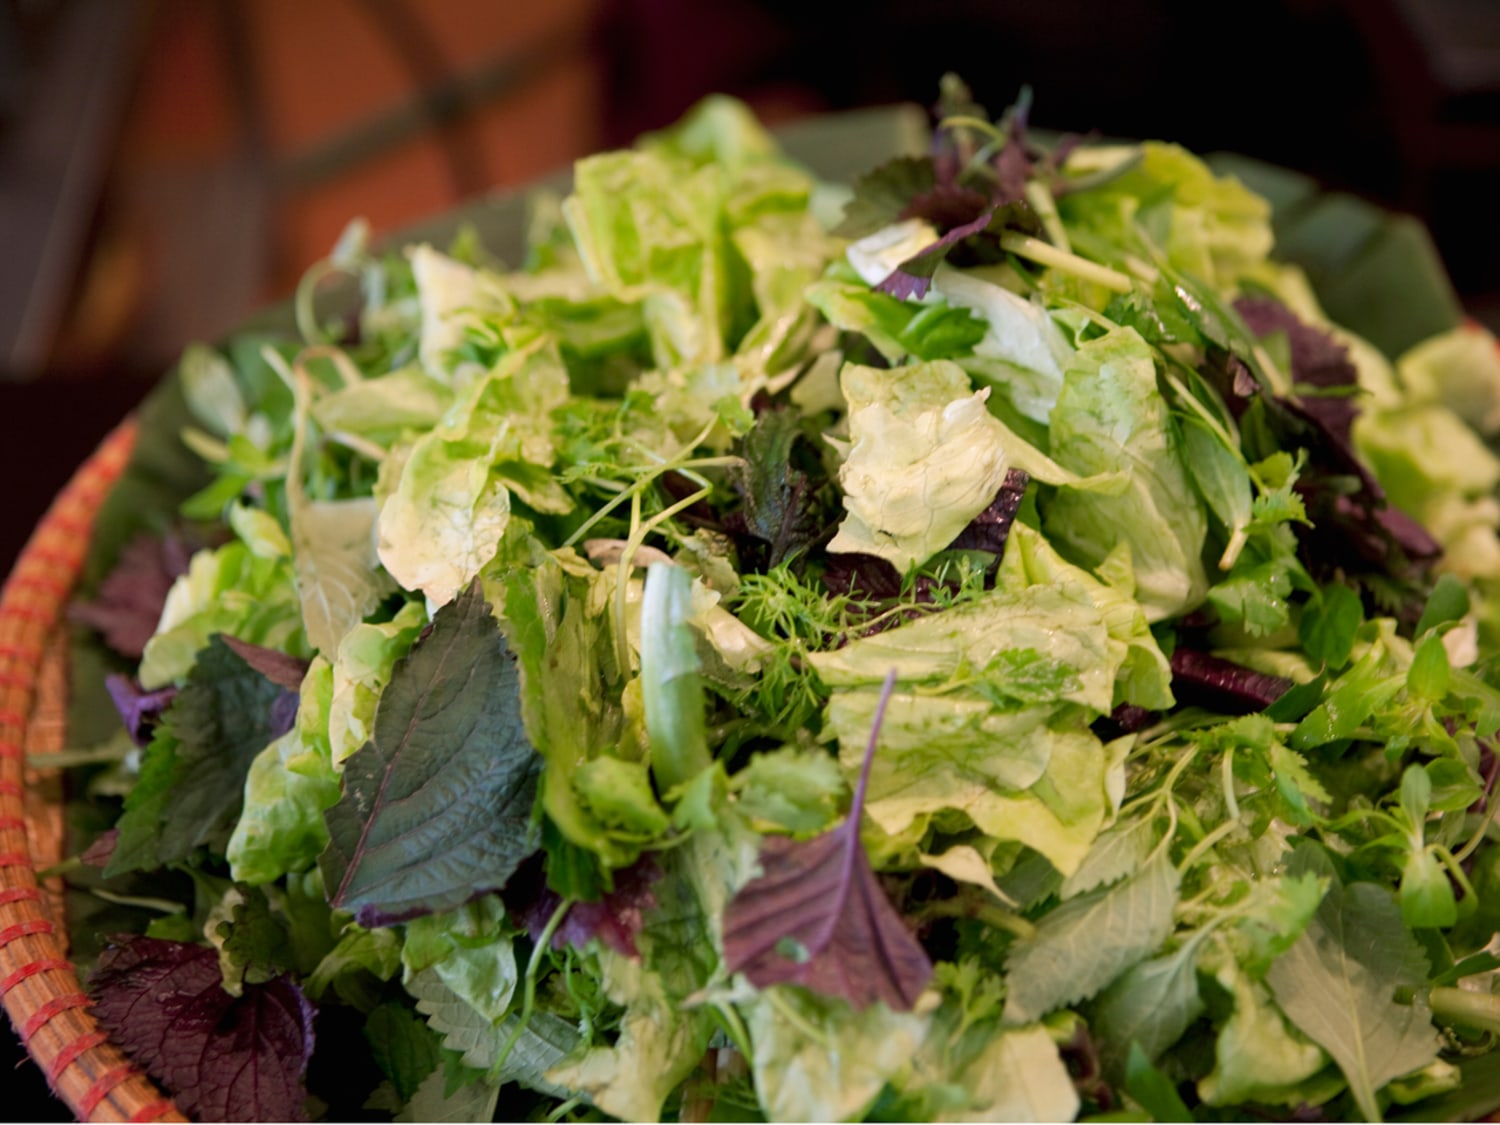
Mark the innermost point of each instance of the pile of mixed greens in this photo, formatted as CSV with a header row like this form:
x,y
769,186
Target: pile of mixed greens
x,y
977,646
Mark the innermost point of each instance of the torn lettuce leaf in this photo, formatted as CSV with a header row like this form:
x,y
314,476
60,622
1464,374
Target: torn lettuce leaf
x,y
452,502
1168,201
925,456
1110,415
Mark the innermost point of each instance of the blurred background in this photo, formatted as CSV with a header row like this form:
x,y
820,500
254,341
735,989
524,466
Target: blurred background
x,y
169,166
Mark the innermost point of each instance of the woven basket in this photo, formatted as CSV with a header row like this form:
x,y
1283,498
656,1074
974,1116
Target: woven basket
x,y
38,983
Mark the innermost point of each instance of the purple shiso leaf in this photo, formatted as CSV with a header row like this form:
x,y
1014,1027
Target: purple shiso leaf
x,y
1221,685
283,713
913,277
1358,523
946,206
989,530
1409,535
128,605
976,241
1126,718
223,1058
139,710
818,916
98,853
615,919
861,576
1013,163
281,669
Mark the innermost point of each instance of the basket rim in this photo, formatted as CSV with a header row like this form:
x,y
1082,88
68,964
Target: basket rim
x,y
39,985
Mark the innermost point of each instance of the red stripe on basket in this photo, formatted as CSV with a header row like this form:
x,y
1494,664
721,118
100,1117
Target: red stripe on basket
x,y
21,929
42,615
9,788
69,1054
71,525
12,824
51,1010
23,679
10,748
154,1111
42,582
26,654
31,969
94,498
101,1088
19,894
15,859
67,560
12,718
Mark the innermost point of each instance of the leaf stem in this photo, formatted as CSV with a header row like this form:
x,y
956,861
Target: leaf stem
x,y
1045,254
1476,1009
986,912
1486,819
1039,195
734,1026
528,991
968,121
361,445
565,1108
856,807
1207,843
787,1012
1226,766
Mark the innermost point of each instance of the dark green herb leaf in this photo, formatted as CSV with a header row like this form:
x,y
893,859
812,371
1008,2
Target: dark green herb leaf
x,y
256,947
784,505
1449,601
881,195
406,1049
437,805
1153,1089
1328,626
193,776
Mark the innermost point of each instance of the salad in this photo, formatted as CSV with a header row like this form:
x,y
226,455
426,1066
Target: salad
x,y
978,643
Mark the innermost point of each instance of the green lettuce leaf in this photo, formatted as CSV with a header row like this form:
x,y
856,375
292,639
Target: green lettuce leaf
x,y
1258,1056
1211,227
925,457
817,1059
450,506
226,590
1110,414
1043,644
658,1046
289,785
1022,351
367,653
1058,815
452,296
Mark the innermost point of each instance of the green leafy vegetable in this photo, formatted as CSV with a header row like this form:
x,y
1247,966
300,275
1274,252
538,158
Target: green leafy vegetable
x,y
1007,656
439,800
190,792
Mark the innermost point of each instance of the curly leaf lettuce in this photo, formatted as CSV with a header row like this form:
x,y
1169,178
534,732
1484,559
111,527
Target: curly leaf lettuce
x,y
925,456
